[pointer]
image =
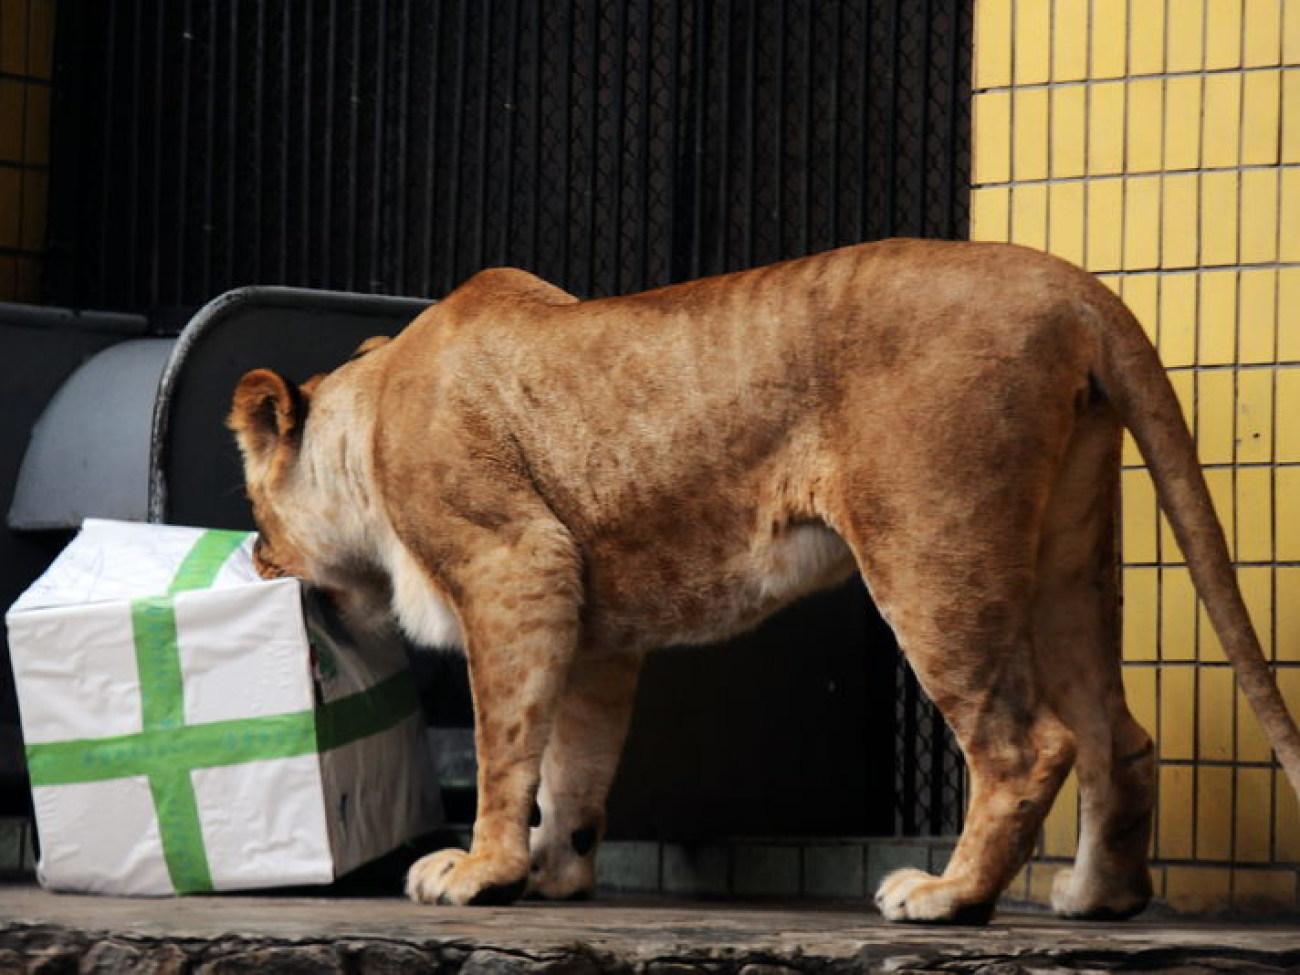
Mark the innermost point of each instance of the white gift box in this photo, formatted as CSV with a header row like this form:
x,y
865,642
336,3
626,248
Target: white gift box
x,y
192,727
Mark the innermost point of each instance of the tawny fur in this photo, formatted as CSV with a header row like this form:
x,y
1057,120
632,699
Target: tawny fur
x,y
564,485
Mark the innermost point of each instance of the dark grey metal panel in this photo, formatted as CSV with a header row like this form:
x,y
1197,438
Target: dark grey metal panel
x,y
39,348
89,451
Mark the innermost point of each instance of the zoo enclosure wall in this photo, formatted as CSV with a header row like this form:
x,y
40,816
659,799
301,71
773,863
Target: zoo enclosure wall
x,y
395,147
1158,144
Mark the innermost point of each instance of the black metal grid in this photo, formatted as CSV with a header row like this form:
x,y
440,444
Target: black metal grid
x,y
397,146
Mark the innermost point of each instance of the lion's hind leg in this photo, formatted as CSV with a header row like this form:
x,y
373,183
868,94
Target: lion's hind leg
x,y
577,770
1017,756
962,615
1077,638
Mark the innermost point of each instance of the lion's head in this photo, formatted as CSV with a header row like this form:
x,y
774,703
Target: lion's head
x,y
269,417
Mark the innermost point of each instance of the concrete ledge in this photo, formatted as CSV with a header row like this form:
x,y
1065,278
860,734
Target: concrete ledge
x,y
236,934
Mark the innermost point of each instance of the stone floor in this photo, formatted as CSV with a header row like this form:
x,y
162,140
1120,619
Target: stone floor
x,y
45,932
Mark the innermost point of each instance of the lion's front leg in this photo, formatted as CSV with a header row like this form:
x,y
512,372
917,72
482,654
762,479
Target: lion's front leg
x,y
519,611
581,759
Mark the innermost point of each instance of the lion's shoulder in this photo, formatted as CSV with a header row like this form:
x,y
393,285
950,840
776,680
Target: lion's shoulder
x,y
509,285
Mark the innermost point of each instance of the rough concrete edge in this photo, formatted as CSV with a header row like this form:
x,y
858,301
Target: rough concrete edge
x,y
48,948
29,948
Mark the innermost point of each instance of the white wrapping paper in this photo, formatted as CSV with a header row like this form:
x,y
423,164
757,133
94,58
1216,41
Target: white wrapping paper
x,y
191,727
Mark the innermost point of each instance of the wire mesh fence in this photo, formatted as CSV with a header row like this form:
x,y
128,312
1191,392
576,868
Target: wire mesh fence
x,y
396,146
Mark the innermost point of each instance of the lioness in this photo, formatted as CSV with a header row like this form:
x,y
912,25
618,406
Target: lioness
x,y
562,485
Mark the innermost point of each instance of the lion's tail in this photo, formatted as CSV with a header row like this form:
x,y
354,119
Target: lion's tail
x,y
1134,380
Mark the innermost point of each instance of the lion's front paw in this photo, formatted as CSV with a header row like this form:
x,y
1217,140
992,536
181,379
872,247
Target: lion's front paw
x,y
457,877
919,897
1072,897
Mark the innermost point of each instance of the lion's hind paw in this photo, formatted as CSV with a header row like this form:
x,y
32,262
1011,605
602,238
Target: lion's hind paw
x,y
1074,898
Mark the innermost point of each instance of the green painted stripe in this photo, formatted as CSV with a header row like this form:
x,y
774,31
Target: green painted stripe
x,y
200,567
180,831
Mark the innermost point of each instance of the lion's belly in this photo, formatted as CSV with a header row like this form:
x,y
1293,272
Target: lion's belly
x,y
800,560
684,594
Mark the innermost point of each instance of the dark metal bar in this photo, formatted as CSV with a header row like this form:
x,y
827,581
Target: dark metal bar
x,y
433,163
454,156
618,48
932,810
306,169
485,215
206,153
566,145
837,128
478,231
376,280
805,121
906,797
348,256
780,124
741,170
257,142
153,232
692,260
399,209
281,215
862,163
231,147
511,204
180,220
958,170
678,107
534,237
593,32
644,148
327,141
922,207
132,154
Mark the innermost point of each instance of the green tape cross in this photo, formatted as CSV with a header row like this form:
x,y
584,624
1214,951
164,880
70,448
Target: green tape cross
x,y
157,659
167,750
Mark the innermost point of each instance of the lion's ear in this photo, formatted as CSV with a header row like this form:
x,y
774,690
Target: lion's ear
x,y
267,411
370,344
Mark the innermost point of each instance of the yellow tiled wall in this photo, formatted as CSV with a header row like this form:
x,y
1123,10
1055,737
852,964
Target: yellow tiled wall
x,y
1157,143
26,67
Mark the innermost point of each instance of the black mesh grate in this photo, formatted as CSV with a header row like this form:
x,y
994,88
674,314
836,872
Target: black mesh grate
x,y
929,774
396,146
